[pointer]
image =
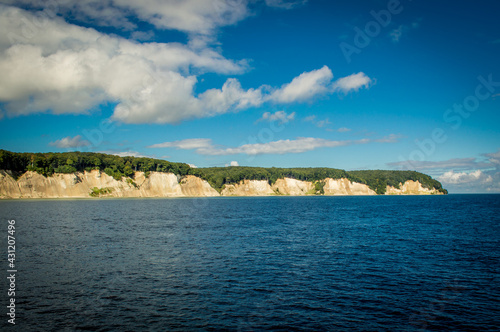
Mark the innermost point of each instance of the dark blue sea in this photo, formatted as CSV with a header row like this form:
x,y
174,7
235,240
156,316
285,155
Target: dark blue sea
x,y
382,263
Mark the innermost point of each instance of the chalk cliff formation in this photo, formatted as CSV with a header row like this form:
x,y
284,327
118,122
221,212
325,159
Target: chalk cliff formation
x,y
157,184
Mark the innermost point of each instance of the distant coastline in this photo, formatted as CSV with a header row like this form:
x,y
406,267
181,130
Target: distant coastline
x,y
95,175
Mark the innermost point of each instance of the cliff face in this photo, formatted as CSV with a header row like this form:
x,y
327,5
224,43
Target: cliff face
x,y
194,186
346,187
295,187
248,188
411,188
81,185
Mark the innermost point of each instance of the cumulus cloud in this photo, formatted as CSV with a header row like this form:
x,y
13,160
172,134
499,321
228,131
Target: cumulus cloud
x,y
231,96
306,86
280,116
460,177
461,174
129,153
197,18
190,16
233,164
54,66
70,142
71,69
455,163
205,146
298,145
494,158
352,82
472,181
186,144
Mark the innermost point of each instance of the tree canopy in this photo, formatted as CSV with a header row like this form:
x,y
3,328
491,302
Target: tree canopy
x,y
70,162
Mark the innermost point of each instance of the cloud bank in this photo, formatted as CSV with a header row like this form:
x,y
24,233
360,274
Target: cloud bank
x,y
50,65
461,174
70,142
205,146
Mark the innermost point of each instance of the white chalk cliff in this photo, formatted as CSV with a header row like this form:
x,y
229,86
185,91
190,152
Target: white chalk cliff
x,y
82,185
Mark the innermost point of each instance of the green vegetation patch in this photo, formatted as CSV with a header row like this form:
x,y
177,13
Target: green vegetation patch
x,y
98,192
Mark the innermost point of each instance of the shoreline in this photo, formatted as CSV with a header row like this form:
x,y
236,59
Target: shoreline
x,y
215,197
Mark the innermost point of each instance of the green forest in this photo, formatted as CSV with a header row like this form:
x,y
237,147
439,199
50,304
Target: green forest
x,y
119,167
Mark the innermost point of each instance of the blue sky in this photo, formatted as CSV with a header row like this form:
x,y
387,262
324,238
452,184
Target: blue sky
x,y
344,84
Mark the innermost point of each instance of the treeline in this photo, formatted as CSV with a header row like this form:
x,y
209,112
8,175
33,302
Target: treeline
x,y
219,176
378,180
70,162
118,167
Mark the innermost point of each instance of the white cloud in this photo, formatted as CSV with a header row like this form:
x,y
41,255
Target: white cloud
x,y
472,181
306,86
70,69
197,18
233,164
127,154
187,144
455,164
193,166
352,82
494,158
461,174
70,142
298,145
343,130
280,116
460,177
64,68
231,96
205,146
190,16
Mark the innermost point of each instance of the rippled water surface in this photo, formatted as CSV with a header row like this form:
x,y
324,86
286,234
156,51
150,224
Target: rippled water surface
x,y
250,264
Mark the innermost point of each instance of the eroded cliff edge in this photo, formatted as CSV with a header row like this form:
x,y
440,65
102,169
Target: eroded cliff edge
x,y
159,184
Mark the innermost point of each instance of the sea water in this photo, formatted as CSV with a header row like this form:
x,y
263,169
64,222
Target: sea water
x,y
395,263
